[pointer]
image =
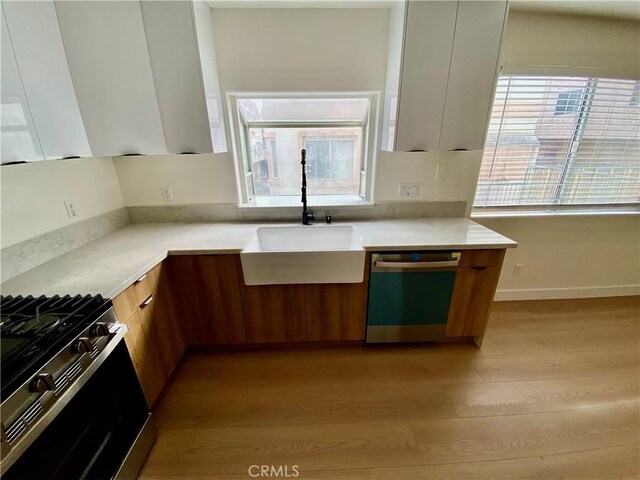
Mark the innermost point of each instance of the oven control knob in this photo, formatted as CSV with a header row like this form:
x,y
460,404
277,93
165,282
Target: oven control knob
x,y
100,329
42,382
81,345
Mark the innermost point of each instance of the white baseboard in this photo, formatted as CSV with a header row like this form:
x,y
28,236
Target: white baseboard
x,y
574,292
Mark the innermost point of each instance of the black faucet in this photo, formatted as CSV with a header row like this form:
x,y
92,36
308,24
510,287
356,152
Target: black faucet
x,y
306,215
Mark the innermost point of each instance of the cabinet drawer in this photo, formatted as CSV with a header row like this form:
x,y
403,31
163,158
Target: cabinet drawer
x,y
125,303
481,258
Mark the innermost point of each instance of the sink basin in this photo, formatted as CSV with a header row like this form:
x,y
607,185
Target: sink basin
x,y
304,254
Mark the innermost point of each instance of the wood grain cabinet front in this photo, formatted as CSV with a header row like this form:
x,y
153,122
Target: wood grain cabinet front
x,y
154,338
475,287
206,289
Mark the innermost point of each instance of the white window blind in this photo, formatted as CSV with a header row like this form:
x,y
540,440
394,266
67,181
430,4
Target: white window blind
x,y
561,141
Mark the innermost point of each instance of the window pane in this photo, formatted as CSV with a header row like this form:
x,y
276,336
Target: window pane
x,y
561,140
331,160
304,109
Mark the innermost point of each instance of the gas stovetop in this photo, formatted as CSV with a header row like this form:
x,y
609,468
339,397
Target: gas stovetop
x,y
34,329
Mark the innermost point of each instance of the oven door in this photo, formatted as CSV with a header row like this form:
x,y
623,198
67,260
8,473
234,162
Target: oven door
x,y
97,433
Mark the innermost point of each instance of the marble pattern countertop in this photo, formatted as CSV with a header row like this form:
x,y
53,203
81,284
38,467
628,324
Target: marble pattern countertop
x,y
111,263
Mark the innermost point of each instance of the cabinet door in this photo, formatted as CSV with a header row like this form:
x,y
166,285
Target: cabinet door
x,y
274,313
336,311
165,332
202,17
473,74
143,354
173,51
207,292
471,302
425,69
37,43
109,63
19,141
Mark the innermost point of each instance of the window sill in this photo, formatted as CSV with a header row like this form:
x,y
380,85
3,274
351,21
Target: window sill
x,y
557,213
313,201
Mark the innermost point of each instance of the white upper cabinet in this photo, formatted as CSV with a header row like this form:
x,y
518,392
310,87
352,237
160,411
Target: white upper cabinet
x,y
108,59
37,44
174,60
206,47
442,68
19,140
473,73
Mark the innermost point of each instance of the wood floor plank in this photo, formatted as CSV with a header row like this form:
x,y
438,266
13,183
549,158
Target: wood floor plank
x,y
312,366
495,368
349,474
301,404
612,463
536,396
477,439
312,447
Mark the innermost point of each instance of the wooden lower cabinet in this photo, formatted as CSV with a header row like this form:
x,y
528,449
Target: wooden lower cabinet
x,y
336,312
274,313
202,300
154,338
473,293
206,289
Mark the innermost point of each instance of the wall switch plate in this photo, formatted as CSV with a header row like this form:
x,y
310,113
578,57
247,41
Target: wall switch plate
x,y
516,269
408,190
167,195
71,208
441,171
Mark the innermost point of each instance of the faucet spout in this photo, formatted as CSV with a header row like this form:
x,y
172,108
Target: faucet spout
x,y
306,215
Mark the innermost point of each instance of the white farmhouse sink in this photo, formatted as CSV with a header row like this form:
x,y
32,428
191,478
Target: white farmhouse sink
x,y
304,254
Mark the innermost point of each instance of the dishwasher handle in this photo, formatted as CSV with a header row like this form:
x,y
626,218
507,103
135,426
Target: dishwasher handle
x,y
415,265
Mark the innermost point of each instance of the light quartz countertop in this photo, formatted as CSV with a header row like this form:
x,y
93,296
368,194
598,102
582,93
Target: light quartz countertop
x,y
111,263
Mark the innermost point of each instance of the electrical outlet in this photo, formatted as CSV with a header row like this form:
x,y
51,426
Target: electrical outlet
x,y
516,269
408,190
441,171
71,208
167,195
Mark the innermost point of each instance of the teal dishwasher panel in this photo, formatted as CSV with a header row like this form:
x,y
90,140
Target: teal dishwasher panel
x,y
410,298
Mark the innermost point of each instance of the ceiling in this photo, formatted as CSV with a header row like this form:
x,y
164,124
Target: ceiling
x,y
629,9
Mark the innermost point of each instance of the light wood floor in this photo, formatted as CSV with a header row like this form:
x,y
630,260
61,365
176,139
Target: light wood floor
x,y
553,393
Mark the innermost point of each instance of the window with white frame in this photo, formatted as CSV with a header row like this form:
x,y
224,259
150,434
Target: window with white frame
x,y
561,142
273,129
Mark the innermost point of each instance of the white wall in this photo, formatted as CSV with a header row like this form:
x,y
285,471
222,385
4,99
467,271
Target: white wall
x,y
301,49
570,256
194,179
32,195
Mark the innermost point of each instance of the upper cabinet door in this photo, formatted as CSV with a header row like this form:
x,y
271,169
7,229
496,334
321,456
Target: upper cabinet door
x,y
173,49
428,41
109,63
202,16
19,140
36,40
446,57
473,73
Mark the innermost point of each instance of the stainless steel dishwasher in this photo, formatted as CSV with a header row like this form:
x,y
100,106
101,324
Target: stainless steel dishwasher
x,y
409,295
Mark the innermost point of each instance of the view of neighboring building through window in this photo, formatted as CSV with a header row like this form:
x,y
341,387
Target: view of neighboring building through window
x,y
277,129
561,141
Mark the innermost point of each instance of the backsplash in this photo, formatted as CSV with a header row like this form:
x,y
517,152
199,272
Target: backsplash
x,y
26,255
232,213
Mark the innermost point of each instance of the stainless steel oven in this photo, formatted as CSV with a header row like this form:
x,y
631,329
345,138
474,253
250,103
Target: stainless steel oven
x,y
72,406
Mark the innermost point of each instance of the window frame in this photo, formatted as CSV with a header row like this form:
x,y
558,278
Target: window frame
x,y
240,134
582,114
